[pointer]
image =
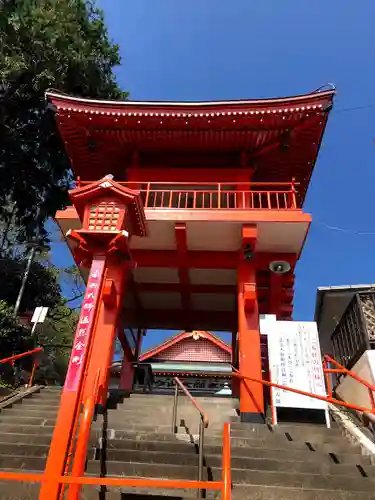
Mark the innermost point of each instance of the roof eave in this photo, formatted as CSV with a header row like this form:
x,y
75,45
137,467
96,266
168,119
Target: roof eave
x,y
63,99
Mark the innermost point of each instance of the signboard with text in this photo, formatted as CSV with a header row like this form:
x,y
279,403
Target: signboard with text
x,y
84,326
295,361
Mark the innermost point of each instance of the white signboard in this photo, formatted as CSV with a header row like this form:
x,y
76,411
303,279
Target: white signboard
x,y
295,361
39,315
267,323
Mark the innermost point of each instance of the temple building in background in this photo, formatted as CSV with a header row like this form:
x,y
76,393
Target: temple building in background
x,y
200,359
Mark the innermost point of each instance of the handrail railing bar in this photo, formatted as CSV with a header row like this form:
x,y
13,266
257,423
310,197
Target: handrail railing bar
x,y
19,356
308,394
349,372
113,481
226,463
32,374
83,439
187,393
203,423
201,183
174,414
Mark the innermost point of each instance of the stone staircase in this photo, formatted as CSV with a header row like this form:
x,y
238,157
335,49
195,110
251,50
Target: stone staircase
x,y
289,462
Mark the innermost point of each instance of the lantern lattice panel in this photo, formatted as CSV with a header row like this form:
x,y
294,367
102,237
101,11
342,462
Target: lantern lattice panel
x,y
107,215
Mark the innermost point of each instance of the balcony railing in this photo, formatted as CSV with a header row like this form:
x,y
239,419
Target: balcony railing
x,y
206,196
355,332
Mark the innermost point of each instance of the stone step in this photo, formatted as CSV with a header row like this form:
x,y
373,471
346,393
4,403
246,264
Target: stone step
x,y
267,442
162,419
253,452
285,428
29,491
260,492
161,428
32,404
166,413
26,429
317,438
18,411
22,463
25,420
170,397
46,396
21,449
239,492
291,446
250,477
34,439
191,458
27,453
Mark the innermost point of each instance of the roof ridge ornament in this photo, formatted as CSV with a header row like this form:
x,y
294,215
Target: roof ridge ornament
x,y
106,179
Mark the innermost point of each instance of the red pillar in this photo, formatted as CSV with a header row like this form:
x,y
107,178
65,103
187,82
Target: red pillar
x,y
250,362
126,374
72,392
235,381
106,326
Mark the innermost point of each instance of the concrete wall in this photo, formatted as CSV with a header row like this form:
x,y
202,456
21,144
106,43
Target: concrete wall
x,y
352,391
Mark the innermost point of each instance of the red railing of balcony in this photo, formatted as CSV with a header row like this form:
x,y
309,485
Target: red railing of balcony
x,y
206,196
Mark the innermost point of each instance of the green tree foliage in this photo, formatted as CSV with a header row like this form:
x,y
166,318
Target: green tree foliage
x,y
14,337
42,286
61,44
55,335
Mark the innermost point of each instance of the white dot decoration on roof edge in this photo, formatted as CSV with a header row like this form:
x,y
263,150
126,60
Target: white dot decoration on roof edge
x,y
195,115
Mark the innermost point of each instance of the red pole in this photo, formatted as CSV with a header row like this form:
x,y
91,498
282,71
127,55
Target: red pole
x,y
328,380
71,398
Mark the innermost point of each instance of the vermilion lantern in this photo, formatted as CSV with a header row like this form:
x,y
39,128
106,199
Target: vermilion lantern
x,y
110,214
105,215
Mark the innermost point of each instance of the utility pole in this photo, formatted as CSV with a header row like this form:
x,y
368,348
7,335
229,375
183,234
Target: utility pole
x,y
25,277
33,248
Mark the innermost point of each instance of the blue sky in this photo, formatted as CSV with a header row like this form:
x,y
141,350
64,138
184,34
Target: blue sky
x,y
220,49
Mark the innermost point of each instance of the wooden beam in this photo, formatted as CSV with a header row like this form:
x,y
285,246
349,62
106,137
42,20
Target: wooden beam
x,y
205,259
183,271
275,287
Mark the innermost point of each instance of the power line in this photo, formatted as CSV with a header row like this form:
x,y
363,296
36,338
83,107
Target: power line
x,y
344,230
355,108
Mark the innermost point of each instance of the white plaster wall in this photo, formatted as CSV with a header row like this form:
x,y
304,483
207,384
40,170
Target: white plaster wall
x,y
352,391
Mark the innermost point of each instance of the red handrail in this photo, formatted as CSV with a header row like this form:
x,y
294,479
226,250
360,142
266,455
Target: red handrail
x,y
342,369
13,358
226,466
114,481
345,371
83,439
19,356
305,393
290,184
187,393
214,195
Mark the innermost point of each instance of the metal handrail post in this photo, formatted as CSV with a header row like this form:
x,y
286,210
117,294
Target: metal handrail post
x,y
201,493
174,415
